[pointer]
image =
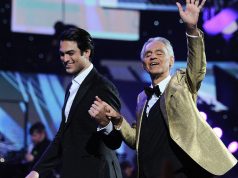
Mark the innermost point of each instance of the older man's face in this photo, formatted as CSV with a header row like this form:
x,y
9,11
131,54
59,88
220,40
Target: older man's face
x,y
156,60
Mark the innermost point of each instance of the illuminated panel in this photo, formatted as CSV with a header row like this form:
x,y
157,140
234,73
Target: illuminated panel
x,y
39,16
220,22
168,5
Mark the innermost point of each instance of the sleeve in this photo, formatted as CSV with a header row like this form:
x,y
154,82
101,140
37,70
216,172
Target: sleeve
x,y
129,132
107,129
196,62
108,93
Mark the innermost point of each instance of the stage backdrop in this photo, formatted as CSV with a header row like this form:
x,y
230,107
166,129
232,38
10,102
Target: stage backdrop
x,y
44,94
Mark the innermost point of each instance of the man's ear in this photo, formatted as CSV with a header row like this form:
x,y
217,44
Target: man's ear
x,y
171,61
87,53
143,65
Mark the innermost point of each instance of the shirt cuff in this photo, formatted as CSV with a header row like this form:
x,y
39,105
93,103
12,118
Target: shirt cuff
x,y
193,36
117,128
107,129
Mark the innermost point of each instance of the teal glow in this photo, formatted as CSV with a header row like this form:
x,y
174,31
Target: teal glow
x,y
11,129
38,108
115,36
49,98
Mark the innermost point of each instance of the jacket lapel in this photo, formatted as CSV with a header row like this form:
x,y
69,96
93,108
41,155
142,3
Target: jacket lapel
x,y
84,87
163,108
140,110
65,101
169,93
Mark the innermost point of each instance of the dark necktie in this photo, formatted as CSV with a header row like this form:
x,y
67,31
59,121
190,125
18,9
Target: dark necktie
x,y
150,91
67,92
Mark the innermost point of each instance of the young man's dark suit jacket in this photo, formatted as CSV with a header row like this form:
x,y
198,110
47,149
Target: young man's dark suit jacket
x,y
83,151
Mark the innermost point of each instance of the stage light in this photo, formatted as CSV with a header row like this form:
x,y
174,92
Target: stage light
x,y
204,115
233,146
230,28
218,131
2,160
156,23
221,21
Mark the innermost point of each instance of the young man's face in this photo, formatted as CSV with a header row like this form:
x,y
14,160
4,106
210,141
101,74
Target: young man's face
x,y
73,59
156,60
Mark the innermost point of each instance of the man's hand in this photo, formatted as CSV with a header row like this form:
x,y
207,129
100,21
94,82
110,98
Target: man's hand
x,y
98,112
33,174
191,13
29,157
103,112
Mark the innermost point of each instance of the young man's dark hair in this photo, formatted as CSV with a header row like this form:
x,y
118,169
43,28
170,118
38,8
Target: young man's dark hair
x,y
82,37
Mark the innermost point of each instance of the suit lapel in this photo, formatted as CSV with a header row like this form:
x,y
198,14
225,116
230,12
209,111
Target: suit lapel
x,y
141,107
84,87
163,108
169,92
65,100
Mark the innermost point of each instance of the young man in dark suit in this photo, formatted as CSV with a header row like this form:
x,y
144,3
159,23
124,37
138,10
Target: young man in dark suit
x,y
84,147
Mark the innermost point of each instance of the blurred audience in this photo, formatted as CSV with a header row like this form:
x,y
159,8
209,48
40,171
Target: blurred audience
x,y
39,143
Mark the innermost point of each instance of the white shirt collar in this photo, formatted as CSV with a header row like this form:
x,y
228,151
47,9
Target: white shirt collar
x,y
164,83
82,75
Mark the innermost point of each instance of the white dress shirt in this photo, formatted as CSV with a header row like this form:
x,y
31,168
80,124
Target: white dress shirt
x,y
76,82
154,98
